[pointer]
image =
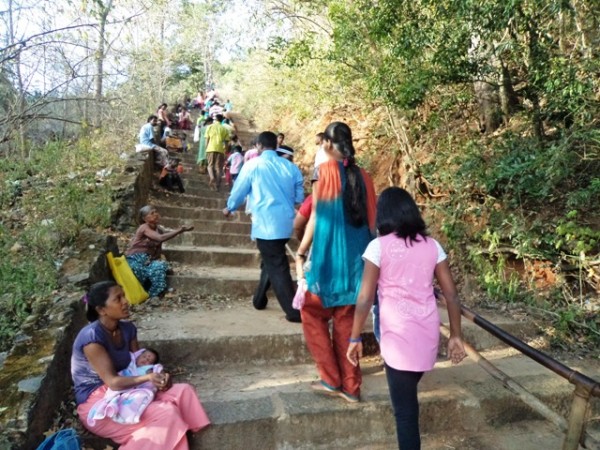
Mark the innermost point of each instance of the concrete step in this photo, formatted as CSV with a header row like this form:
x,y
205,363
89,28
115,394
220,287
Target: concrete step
x,y
194,284
238,283
201,239
205,191
198,180
252,373
210,226
189,200
523,435
238,333
196,185
271,406
190,213
212,256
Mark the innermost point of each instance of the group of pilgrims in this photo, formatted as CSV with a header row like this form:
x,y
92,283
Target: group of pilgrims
x,y
358,255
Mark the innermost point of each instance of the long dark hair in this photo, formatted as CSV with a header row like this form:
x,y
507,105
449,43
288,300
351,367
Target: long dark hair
x,y
398,213
96,297
355,197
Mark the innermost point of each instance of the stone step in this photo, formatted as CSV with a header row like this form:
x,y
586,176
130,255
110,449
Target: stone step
x,y
205,191
205,285
187,200
258,406
201,239
196,186
523,435
201,181
190,213
238,333
212,256
252,373
209,226
238,283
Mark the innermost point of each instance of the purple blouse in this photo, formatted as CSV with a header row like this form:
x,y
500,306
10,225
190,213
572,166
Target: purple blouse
x,y
85,379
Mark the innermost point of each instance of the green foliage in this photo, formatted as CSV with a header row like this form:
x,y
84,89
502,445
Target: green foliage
x,y
267,88
24,276
500,284
572,326
527,193
51,198
575,238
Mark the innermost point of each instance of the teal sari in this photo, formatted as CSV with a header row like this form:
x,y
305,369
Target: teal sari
x,y
336,259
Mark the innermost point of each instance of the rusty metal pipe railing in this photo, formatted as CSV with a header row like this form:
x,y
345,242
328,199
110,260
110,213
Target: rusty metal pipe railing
x,y
573,376
585,387
510,384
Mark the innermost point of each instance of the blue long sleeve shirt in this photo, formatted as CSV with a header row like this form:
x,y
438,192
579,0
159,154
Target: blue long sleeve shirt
x,y
274,185
147,135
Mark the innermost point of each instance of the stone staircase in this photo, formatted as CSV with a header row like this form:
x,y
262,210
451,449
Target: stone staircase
x,y
252,370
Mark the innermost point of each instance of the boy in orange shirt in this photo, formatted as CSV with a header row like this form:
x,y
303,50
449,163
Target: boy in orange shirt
x,y
170,176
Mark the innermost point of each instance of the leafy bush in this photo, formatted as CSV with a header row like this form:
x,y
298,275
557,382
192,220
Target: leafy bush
x,y
57,197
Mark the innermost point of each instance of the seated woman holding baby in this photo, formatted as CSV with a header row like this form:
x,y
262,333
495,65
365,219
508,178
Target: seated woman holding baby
x,y
144,251
101,352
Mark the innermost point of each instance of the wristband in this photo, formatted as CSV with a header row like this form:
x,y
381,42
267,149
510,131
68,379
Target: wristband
x,y
355,340
301,255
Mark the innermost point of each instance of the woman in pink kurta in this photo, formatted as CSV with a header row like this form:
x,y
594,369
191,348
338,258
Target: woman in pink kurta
x,y
102,349
401,265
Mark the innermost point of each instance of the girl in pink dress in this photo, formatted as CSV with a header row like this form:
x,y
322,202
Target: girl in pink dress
x,y
401,265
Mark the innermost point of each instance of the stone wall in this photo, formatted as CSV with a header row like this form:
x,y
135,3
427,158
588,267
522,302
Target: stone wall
x,y
35,374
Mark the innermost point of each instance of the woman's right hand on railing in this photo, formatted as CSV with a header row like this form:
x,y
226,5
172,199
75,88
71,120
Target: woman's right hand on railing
x,y
456,350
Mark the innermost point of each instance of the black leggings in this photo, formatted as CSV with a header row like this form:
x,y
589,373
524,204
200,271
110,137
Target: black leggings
x,y
403,393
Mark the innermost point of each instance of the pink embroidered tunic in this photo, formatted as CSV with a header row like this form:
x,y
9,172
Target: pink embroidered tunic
x,y
409,318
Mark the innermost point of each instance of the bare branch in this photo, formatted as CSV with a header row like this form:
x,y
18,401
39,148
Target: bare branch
x,y
24,42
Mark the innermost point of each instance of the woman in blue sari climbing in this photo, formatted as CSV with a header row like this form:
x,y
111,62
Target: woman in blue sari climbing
x,y
341,226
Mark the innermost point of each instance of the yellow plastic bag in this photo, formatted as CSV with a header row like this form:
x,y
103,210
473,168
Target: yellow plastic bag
x,y
134,291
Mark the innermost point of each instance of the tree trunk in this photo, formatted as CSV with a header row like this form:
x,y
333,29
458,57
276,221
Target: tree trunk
x,y
508,97
100,56
532,90
486,90
20,100
489,106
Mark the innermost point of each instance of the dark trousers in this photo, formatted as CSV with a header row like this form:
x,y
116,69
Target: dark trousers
x,y
170,181
275,271
403,393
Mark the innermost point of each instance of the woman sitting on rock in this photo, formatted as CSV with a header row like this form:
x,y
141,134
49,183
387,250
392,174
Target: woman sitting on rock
x,y
144,251
100,351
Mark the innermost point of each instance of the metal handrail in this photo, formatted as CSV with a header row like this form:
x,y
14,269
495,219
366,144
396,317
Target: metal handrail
x,y
585,387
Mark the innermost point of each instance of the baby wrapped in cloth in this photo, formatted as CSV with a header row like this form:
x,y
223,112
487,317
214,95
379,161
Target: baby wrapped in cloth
x,y
127,406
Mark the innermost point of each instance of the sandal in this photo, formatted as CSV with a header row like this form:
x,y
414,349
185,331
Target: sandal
x,y
323,388
349,398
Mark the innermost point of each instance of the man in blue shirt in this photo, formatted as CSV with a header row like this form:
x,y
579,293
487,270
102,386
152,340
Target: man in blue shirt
x,y
274,185
147,144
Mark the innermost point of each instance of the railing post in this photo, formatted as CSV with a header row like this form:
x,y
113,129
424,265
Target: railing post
x,y
579,407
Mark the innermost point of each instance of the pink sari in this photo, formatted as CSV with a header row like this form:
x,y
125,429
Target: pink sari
x,y
163,424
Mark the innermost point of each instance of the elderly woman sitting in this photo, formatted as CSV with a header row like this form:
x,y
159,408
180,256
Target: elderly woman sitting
x,y
144,251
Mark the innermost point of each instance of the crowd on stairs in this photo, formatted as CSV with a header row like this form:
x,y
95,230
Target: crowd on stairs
x,y
357,254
